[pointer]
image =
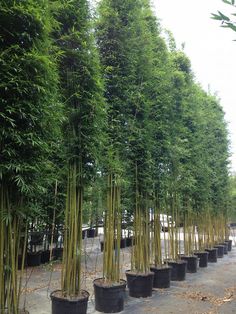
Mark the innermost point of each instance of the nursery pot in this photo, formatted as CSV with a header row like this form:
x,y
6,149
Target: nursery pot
x,y
162,276
140,284
109,298
220,252
128,242
91,233
212,256
178,270
45,256
225,244
229,245
203,258
36,238
61,305
20,262
57,252
34,258
192,263
122,243
55,237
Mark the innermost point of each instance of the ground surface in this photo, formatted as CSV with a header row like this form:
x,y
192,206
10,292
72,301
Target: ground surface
x,y
211,290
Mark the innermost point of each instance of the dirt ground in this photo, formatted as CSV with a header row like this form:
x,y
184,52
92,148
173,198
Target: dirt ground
x,y
211,290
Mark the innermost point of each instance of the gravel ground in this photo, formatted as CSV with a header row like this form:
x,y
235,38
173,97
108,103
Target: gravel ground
x,y
211,290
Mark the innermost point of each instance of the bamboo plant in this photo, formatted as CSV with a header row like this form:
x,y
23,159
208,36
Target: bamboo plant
x,y
112,231
12,245
82,94
140,255
71,272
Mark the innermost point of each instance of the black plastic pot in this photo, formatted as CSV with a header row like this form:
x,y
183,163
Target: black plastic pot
x,y
225,244
212,256
128,242
140,284
36,238
220,252
57,253
45,256
162,276
192,263
203,258
109,298
91,233
20,262
178,270
34,258
122,243
62,305
55,237
229,245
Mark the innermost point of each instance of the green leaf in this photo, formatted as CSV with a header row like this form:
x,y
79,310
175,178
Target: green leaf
x,y
224,17
216,17
227,2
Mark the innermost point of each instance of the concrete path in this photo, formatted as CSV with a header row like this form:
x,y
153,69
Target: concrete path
x,y
211,290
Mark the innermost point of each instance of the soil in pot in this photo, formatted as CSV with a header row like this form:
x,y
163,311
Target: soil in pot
x,y
62,305
220,252
203,258
162,274
178,270
140,284
109,298
229,245
192,263
212,256
34,258
225,244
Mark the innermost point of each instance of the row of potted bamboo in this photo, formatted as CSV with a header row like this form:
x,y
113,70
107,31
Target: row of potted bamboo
x,y
154,261
156,257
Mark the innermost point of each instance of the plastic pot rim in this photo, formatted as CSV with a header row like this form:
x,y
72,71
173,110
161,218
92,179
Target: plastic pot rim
x,y
61,299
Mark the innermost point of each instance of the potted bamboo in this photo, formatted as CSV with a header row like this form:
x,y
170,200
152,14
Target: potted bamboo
x,y
82,94
161,270
12,245
200,240
210,237
110,289
71,299
179,267
140,278
29,112
189,242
